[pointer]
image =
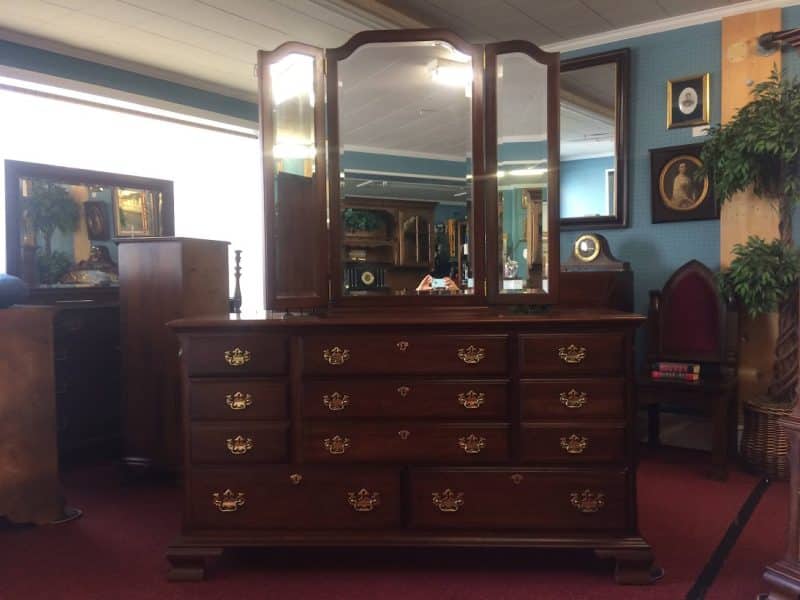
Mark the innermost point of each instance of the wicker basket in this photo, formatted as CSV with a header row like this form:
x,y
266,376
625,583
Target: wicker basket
x,y
765,446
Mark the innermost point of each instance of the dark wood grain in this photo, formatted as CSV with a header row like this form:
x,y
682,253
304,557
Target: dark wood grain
x,y
540,501
216,399
604,397
539,354
162,279
406,442
405,397
273,501
269,442
205,355
544,443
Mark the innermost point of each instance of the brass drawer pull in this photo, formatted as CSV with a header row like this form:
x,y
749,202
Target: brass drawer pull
x,y
336,356
404,433
228,501
336,401
448,500
237,357
403,390
471,399
471,355
574,444
573,398
337,444
239,445
587,501
472,444
572,354
238,401
295,478
402,345
516,478
364,500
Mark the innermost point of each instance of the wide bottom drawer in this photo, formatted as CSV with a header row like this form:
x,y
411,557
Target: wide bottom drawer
x,y
284,497
519,499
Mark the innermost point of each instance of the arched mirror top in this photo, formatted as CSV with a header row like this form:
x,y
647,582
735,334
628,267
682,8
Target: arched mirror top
x,y
594,140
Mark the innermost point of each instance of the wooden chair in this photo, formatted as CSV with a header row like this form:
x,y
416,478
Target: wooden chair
x,y
688,322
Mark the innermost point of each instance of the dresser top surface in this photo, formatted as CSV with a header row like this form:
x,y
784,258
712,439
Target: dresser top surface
x,y
554,316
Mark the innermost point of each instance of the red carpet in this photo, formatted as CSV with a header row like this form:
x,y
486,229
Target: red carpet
x,y
115,551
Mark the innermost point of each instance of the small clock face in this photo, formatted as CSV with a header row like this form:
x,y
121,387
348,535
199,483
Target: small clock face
x,y
587,247
367,278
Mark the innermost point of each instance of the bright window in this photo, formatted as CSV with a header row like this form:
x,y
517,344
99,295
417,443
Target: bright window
x,y
217,175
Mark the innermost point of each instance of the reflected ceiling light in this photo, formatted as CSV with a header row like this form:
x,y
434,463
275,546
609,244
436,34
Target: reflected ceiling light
x,y
527,172
293,151
450,73
292,77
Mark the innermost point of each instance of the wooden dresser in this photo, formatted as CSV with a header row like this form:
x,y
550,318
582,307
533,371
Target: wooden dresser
x,y
443,429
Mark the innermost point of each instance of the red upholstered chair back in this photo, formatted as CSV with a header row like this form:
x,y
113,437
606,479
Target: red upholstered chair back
x,y
690,318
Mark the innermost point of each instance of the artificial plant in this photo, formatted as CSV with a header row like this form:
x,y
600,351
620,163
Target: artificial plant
x,y
758,148
49,207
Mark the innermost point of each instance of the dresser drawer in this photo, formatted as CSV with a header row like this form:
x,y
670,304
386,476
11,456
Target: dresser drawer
x,y
575,444
407,397
518,499
575,398
434,354
236,354
406,442
237,399
239,443
568,353
283,497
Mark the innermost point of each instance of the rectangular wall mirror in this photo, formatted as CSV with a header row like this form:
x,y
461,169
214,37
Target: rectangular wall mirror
x,y
61,223
594,140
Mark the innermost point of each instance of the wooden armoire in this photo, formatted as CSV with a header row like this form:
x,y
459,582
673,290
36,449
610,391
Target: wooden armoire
x,y
465,410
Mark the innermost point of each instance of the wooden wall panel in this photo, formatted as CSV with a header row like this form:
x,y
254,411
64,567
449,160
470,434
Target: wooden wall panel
x,y
745,214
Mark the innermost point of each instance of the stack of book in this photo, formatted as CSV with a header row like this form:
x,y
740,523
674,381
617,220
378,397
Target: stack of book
x,y
676,370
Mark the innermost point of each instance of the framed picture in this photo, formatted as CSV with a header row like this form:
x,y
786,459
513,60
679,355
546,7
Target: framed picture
x,y
133,213
688,101
676,193
96,215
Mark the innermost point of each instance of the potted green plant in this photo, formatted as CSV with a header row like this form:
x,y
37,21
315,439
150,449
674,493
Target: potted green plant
x,y
363,223
758,148
48,208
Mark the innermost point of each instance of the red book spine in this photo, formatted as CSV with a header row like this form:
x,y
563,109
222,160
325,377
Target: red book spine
x,y
675,375
672,367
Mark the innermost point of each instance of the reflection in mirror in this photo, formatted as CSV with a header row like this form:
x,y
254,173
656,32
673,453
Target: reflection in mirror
x,y
405,122
62,222
294,152
593,146
522,174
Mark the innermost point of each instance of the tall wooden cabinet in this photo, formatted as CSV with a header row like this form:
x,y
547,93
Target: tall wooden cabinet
x,y
475,412
162,279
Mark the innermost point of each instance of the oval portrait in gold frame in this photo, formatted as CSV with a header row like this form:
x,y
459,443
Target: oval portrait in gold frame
x,y
677,186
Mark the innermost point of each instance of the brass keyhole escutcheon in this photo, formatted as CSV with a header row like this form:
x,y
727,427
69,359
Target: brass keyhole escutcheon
x,y
402,345
404,434
295,478
403,390
516,478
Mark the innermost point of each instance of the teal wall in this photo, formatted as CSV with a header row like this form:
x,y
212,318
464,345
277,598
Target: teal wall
x,y
583,186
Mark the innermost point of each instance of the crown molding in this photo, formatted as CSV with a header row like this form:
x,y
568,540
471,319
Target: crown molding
x,y
688,20
24,39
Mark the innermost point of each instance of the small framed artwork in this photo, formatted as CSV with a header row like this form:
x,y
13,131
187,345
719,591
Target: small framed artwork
x,y
688,101
97,220
133,213
677,194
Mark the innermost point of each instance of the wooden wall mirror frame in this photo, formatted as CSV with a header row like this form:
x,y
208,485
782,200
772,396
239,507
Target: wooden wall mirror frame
x,y
550,61
621,59
302,281
333,58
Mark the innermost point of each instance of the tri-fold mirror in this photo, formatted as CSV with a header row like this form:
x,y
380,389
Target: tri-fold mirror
x,y
410,167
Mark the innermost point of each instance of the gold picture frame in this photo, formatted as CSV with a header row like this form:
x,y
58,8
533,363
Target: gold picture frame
x,y
133,212
689,101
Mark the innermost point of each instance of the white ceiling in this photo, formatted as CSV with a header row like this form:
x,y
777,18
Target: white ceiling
x,y
212,43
